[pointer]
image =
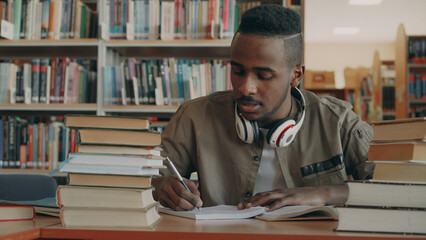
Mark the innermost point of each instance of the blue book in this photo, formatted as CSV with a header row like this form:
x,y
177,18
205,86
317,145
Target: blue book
x,y
146,20
179,76
107,87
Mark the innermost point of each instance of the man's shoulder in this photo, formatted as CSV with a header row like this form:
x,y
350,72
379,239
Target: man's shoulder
x,y
329,102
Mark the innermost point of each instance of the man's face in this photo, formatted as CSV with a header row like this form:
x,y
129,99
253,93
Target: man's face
x,y
260,77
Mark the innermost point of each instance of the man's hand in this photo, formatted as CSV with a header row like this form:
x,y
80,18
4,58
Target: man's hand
x,y
171,193
311,196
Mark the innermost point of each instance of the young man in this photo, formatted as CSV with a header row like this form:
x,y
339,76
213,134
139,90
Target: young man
x,y
265,142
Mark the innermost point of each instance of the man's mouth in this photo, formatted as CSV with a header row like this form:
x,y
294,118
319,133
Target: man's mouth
x,y
248,107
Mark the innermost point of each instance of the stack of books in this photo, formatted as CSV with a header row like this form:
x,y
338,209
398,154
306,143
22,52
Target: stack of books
x,y
398,150
394,200
109,173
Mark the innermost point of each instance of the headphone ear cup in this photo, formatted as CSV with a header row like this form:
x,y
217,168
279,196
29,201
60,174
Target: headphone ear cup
x,y
247,130
281,134
256,132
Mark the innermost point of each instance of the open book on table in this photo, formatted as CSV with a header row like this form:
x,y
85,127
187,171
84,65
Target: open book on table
x,y
231,212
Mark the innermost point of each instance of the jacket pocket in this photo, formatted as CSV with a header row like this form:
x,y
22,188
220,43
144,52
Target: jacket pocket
x,y
329,172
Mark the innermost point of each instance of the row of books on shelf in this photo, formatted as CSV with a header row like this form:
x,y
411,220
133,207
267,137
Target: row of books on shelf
x,y
388,99
168,20
417,51
417,86
166,81
111,189
28,143
366,86
367,110
48,80
44,143
393,201
49,19
417,110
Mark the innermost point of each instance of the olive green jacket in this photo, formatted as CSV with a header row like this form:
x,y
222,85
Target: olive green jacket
x,y
331,145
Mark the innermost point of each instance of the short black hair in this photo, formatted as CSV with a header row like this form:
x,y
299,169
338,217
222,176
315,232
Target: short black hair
x,y
275,21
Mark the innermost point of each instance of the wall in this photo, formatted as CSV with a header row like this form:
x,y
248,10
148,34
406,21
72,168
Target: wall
x,y
336,56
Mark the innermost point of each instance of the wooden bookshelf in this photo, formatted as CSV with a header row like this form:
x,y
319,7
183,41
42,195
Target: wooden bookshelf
x,y
109,53
340,93
383,75
404,103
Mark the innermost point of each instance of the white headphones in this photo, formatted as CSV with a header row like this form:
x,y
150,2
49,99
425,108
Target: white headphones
x,y
279,135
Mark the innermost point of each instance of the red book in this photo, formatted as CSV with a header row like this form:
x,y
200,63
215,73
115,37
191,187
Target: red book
x,y
64,65
30,146
53,72
225,15
40,145
73,132
211,18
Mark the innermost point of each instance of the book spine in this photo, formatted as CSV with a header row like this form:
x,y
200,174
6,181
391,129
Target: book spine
x,y
52,18
64,65
45,19
23,140
44,63
20,94
11,141
17,4
2,139
35,80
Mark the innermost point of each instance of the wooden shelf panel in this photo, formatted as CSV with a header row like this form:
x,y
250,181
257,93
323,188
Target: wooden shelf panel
x,y
31,171
176,48
148,109
90,107
81,48
213,43
50,43
416,101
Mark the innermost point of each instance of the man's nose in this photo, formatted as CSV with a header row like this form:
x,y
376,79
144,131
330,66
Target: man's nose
x,y
249,85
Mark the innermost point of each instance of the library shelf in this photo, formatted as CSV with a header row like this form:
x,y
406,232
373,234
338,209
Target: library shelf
x,y
404,67
86,107
154,109
203,48
32,171
85,48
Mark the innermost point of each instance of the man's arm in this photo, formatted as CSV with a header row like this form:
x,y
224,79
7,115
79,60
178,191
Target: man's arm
x,y
171,193
313,196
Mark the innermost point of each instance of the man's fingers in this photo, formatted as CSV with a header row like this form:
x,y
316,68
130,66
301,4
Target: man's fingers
x,y
187,199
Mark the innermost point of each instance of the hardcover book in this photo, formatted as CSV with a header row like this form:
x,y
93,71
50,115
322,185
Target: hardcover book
x,y
400,220
119,137
397,151
104,197
387,194
123,150
410,129
11,212
106,180
109,218
414,171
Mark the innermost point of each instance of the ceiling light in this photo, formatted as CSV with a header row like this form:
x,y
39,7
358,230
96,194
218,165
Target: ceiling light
x,y
346,30
365,2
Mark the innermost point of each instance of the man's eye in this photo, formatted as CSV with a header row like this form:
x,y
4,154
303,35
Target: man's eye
x,y
237,70
264,76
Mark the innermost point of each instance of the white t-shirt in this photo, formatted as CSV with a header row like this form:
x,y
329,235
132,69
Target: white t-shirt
x,y
269,176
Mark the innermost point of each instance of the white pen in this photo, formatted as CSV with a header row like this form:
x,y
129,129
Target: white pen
x,y
178,175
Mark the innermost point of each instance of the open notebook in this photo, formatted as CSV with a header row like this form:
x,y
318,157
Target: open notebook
x,y
282,214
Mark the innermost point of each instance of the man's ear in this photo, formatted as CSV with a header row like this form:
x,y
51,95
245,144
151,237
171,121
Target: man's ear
x,y
297,75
